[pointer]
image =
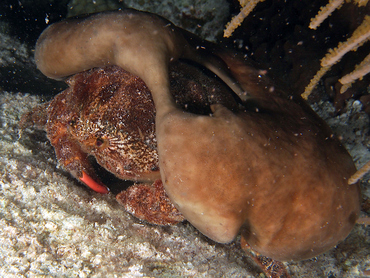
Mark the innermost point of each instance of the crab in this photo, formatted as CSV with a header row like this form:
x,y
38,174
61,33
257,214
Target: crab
x,y
250,159
108,114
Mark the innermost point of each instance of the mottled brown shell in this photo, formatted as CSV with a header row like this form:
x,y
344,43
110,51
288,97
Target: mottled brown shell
x,y
109,113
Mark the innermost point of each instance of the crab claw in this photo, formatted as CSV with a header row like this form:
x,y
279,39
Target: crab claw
x,y
91,183
73,158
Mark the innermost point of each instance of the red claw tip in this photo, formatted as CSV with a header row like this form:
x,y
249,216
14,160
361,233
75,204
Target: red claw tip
x,y
97,187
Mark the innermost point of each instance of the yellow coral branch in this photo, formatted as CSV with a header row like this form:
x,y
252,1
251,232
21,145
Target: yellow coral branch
x,y
247,7
314,82
361,2
363,221
359,174
360,35
360,71
345,87
325,12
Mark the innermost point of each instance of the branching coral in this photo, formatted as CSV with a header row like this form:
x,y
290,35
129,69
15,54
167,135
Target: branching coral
x,y
325,12
247,7
359,174
360,71
360,36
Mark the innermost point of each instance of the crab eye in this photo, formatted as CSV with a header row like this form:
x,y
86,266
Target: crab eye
x,y
154,168
73,122
99,142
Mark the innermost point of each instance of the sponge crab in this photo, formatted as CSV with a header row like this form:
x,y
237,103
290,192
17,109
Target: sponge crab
x,y
108,113
270,170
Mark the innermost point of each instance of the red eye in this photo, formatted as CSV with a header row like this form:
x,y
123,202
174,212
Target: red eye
x,y
99,142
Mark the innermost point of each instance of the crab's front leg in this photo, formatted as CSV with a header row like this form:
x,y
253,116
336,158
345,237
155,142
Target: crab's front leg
x,y
75,160
150,202
271,268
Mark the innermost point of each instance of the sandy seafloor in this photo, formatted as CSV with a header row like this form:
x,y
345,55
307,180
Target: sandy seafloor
x,y
53,227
